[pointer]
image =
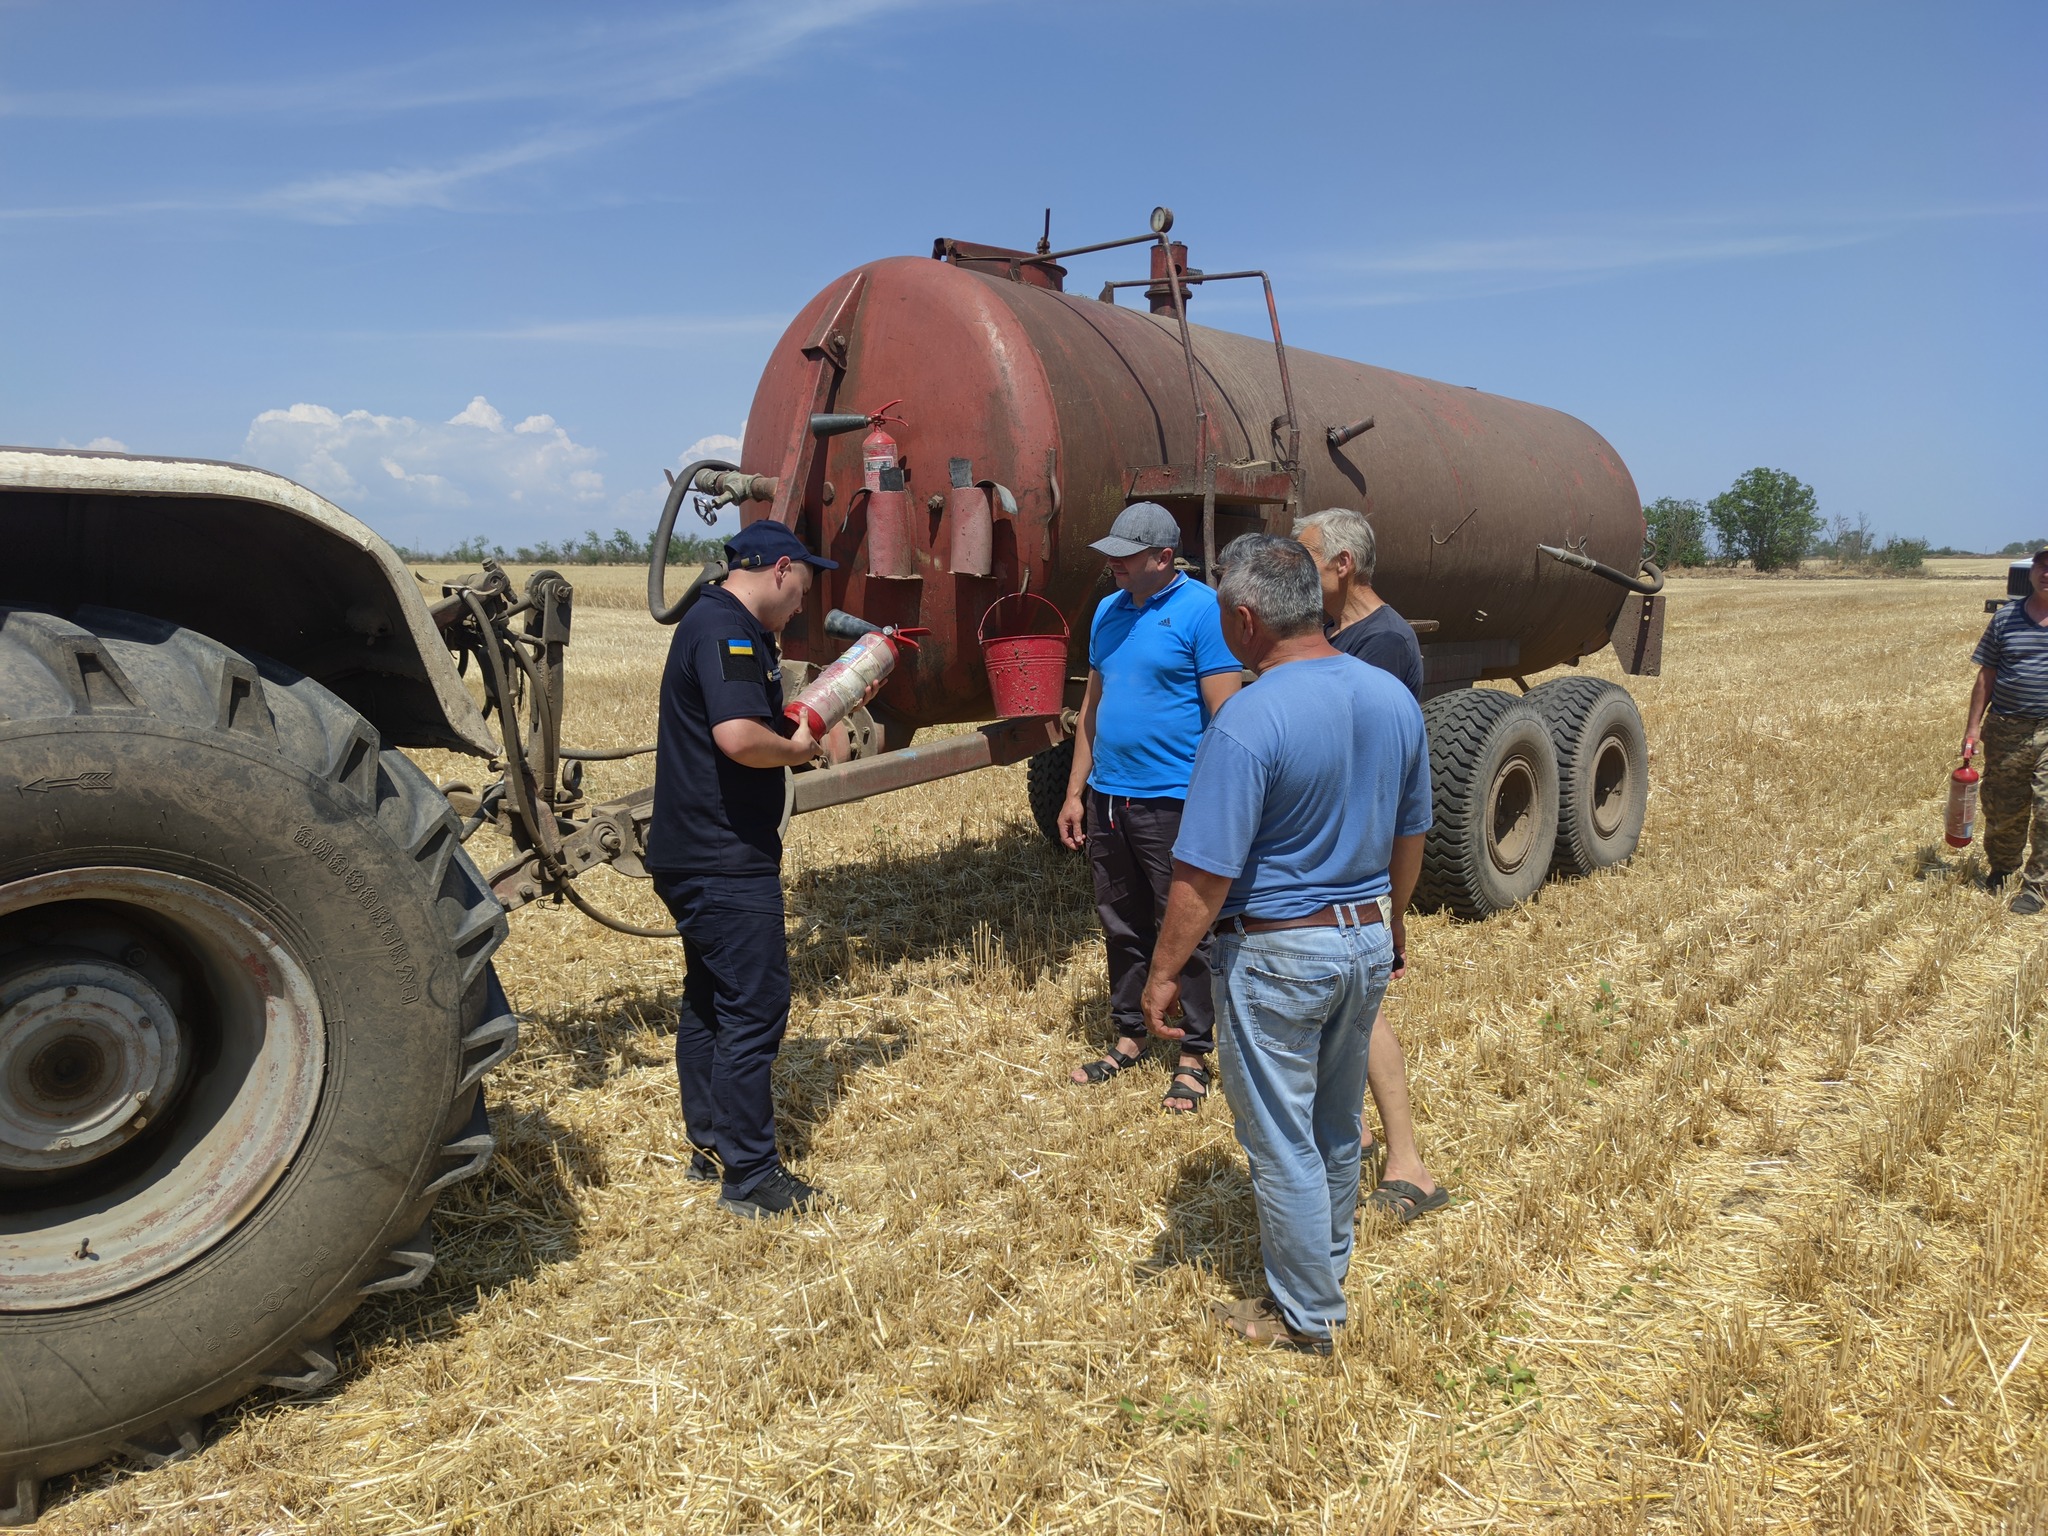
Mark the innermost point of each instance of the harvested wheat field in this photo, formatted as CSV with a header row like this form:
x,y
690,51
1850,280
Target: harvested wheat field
x,y
1747,1139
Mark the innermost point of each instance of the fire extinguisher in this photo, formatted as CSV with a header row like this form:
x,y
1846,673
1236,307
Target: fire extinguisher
x,y
892,541
879,460
1961,821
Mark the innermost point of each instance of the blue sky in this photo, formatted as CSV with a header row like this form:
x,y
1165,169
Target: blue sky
x,y
489,268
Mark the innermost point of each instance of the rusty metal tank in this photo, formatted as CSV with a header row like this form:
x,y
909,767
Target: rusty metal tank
x,y
1066,408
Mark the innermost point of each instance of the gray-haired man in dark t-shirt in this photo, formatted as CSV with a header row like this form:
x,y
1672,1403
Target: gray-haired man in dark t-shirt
x,y
1363,625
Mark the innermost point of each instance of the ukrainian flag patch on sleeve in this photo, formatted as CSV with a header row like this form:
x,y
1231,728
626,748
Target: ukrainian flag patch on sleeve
x,y
741,665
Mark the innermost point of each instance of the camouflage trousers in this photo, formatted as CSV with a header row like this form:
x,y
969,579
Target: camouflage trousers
x,y
2015,792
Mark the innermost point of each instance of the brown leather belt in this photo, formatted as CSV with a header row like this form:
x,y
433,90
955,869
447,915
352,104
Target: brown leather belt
x,y
1343,914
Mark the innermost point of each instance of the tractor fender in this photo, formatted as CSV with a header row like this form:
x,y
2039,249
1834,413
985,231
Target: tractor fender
x,y
254,560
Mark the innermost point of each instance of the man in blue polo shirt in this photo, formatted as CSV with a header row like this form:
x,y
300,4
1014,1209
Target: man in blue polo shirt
x,y
1158,670
2012,684
1306,817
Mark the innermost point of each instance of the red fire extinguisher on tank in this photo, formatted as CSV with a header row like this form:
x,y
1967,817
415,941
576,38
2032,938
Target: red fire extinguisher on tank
x,y
892,541
1961,821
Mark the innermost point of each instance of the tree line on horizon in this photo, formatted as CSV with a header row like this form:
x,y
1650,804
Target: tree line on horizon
x,y
1771,519
594,548
1768,517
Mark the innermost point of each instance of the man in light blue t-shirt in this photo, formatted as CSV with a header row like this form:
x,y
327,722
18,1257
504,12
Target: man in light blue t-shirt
x,y
1157,670
1303,834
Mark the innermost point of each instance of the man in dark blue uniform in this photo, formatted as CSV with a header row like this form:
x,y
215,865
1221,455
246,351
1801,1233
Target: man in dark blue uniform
x,y
714,849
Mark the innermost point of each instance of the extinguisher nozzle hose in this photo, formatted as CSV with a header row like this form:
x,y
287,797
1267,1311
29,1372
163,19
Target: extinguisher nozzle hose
x,y
841,625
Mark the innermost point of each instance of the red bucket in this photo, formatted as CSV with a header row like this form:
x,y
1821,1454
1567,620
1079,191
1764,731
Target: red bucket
x,y
1027,673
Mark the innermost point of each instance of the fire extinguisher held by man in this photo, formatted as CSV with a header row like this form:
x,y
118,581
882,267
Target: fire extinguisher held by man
x,y
2009,716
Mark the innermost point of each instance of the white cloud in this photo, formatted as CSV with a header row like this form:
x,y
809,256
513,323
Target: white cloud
x,y
716,446
355,195
97,445
430,483
578,60
479,413
638,508
616,80
1599,248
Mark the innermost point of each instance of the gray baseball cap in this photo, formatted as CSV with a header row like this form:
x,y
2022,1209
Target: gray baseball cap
x,y
1141,525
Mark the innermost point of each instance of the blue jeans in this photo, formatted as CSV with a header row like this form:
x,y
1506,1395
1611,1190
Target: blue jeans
x,y
1296,1010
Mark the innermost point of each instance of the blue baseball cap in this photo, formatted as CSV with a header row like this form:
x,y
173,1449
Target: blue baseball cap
x,y
761,544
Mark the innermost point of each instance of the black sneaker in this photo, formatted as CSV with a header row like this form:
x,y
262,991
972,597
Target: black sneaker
x,y
2027,903
782,1193
703,1168
1993,880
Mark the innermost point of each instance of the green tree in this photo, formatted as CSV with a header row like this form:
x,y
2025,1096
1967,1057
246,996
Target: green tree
x,y
1846,542
1675,532
1766,517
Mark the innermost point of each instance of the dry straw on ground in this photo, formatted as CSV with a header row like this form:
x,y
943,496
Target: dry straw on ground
x,y
1748,1140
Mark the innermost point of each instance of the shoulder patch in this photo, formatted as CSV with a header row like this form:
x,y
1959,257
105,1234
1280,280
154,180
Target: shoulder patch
x,y
741,664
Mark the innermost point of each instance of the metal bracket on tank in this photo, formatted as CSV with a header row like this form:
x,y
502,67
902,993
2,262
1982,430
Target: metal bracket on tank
x,y
826,350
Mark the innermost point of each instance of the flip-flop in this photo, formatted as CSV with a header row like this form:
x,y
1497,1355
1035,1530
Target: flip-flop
x,y
1404,1201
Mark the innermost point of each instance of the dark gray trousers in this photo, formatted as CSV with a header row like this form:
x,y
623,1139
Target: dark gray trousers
x,y
1130,851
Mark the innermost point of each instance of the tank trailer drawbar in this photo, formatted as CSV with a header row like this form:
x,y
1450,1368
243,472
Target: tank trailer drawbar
x,y
246,993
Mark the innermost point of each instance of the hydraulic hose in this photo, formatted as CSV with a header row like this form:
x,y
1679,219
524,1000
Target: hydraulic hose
x,y
594,755
1648,588
616,924
658,606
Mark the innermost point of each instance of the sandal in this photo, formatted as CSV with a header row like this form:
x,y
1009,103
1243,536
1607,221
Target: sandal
x,y
1103,1068
1189,1094
1404,1201
1261,1322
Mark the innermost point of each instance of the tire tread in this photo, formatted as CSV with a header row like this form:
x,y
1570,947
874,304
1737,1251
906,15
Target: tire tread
x,y
110,661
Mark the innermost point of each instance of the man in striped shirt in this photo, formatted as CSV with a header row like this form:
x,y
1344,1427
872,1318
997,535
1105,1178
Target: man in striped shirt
x,y
2012,681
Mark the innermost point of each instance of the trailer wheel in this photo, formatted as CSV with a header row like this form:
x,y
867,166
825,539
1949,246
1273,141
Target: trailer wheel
x,y
1493,775
245,1004
1603,771
1046,784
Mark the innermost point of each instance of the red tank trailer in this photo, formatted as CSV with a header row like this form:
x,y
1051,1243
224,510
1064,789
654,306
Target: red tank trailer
x,y
228,901
954,428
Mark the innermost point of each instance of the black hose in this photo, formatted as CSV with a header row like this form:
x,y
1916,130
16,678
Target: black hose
x,y
1648,588
616,924
592,755
658,606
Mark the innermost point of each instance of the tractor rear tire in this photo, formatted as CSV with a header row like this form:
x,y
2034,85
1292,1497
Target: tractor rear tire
x,y
246,1002
1046,784
1493,778
1603,771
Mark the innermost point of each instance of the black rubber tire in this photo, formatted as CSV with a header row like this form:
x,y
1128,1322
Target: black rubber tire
x,y
251,778
1485,745
1046,784
1603,771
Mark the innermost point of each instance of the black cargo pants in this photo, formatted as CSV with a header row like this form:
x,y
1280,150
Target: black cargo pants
x,y
1130,852
735,1007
